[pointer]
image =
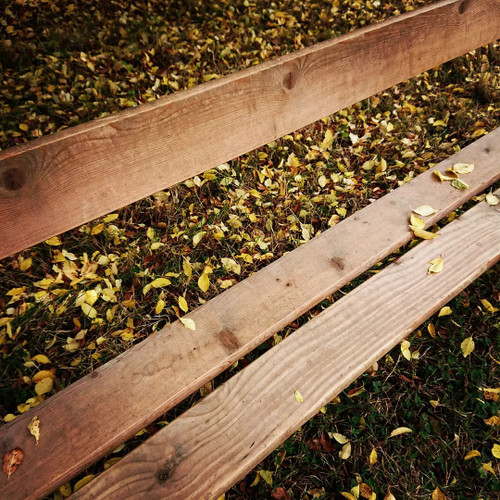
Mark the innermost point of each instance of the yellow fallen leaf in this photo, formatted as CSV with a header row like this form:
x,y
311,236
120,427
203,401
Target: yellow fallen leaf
x,y
34,428
80,484
26,264
188,323
65,489
491,199
421,233
222,497
467,346
348,495
44,386
110,217
328,140
340,438
488,468
88,310
389,496
298,396
97,229
472,454
267,475
187,268
39,376
459,184
230,265
424,210
417,222
400,430
436,266
432,330
437,494
204,282
256,480
445,311
41,358
160,282
345,452
156,245
405,350
495,451
487,305
197,238
159,306
54,241
463,168
150,233
441,177
183,304
373,456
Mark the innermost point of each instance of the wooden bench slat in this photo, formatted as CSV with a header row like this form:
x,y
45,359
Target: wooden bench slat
x,y
211,446
92,416
53,184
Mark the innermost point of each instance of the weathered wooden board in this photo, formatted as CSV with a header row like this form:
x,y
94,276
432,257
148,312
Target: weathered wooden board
x,y
215,443
55,183
91,417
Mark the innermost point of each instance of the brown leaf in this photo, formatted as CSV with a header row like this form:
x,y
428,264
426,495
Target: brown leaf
x,y
365,490
326,442
280,494
11,461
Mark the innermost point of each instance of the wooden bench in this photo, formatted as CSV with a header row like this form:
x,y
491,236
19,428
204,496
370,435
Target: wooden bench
x,y
213,444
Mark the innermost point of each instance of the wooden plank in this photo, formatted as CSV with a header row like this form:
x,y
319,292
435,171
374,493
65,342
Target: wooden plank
x,y
215,443
156,374
55,183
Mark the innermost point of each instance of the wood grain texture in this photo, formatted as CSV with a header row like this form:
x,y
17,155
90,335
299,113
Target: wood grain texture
x,y
215,443
91,417
55,183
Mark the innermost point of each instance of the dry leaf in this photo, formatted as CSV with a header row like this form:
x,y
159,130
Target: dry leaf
x,y
160,282
267,475
459,184
491,199
34,428
495,451
345,452
417,222
488,468
11,461
400,430
183,304
365,490
373,456
231,265
340,438
463,168
348,495
467,346
405,350
54,241
44,386
421,233
389,496
488,306
204,282
188,323
472,454
445,311
328,140
41,358
25,264
494,421
159,306
436,266
425,210
442,177
298,396
80,484
437,494
65,489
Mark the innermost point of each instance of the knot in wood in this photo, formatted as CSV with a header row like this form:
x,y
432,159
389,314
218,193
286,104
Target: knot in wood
x,y
13,179
290,80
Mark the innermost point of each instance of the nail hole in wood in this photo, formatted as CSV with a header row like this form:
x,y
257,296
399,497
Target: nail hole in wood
x,y
13,179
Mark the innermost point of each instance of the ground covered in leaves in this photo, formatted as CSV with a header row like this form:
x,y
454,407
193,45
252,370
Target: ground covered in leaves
x,y
79,299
